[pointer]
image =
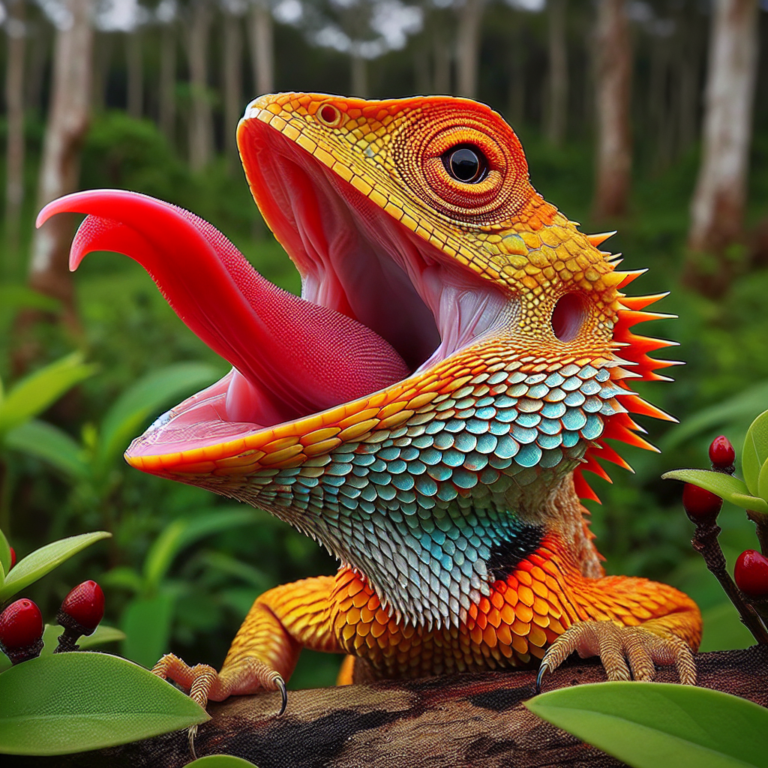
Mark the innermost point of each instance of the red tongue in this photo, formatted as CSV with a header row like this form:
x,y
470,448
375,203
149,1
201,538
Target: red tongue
x,y
297,357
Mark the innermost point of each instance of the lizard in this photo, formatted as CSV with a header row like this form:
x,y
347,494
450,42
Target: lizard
x,y
427,408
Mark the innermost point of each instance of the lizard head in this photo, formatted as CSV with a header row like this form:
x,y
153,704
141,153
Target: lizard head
x,y
455,331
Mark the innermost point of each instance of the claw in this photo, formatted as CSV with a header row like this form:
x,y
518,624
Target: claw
x,y
543,669
283,694
191,734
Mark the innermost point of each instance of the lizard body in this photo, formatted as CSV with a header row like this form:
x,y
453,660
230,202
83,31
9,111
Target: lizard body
x,y
475,354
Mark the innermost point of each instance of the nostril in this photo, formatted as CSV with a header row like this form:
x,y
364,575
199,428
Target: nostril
x,y
568,316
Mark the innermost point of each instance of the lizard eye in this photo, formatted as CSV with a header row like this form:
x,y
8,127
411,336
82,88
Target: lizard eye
x,y
466,164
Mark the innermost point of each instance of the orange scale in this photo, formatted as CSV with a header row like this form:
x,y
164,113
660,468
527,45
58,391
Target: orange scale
x,y
524,612
506,651
537,559
377,629
537,637
494,617
484,605
382,617
631,621
363,630
542,621
521,628
507,614
360,599
353,616
552,584
354,587
523,566
477,635
511,596
540,606
500,587
526,595
408,631
557,626
524,577
348,632
489,637
373,603
512,583
482,621
540,589
520,644
537,651
497,600
472,612
504,635
366,615
394,628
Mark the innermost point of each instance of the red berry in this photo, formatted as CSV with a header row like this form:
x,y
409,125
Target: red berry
x,y
13,557
700,505
751,573
721,453
21,625
85,604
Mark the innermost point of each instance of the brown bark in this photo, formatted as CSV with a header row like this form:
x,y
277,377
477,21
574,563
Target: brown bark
x,y
14,151
614,141
168,82
717,208
262,54
448,722
233,83
468,47
201,118
59,171
135,74
558,73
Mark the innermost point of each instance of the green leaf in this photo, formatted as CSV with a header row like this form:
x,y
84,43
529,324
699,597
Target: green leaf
x,y
147,626
74,702
20,297
762,482
648,725
51,444
726,486
40,389
5,557
755,451
44,560
220,761
145,399
185,531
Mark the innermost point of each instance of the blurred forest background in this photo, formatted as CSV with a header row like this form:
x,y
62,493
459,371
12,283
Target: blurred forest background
x,y
648,116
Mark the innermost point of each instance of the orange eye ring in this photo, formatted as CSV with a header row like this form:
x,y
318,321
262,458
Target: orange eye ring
x,y
329,115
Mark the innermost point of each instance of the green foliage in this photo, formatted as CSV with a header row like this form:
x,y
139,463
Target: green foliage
x,y
750,493
75,702
34,393
647,725
43,561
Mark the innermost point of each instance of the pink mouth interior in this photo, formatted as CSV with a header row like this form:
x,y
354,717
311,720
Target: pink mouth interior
x,y
377,301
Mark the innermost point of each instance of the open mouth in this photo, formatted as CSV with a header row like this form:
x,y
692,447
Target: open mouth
x,y
378,302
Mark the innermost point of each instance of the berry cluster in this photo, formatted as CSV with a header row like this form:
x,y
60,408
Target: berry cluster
x,y
751,571
21,623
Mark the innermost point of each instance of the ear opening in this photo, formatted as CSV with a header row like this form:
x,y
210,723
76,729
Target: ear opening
x,y
568,316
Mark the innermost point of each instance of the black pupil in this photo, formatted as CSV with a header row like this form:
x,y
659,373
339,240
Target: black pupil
x,y
465,165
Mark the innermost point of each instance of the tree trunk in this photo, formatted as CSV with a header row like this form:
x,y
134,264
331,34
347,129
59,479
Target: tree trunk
x,y
38,64
201,119
468,47
558,73
262,55
102,54
517,79
67,126
448,722
14,104
717,209
358,73
168,82
233,83
421,73
442,64
135,74
614,79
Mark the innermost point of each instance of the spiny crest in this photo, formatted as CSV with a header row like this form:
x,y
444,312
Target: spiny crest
x,y
633,362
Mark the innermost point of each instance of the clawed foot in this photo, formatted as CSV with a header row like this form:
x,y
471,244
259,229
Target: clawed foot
x,y
204,683
626,652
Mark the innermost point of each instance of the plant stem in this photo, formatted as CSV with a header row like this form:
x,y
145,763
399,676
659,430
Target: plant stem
x,y
761,528
706,544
